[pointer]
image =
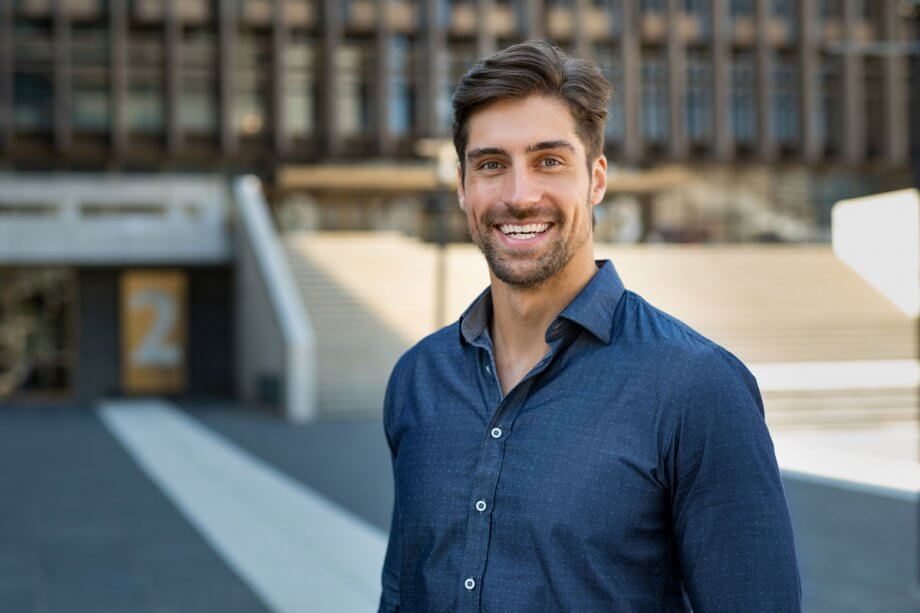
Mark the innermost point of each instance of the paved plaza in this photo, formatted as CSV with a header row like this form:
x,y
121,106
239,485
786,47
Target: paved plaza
x,y
152,507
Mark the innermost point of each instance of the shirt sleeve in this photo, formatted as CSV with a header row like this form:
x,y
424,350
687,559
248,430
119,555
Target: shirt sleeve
x,y
731,523
389,597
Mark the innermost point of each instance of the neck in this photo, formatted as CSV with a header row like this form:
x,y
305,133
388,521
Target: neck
x,y
520,317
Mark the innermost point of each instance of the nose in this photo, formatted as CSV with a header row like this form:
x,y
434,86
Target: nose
x,y
523,188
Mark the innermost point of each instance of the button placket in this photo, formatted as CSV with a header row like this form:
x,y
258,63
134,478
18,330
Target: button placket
x,y
488,471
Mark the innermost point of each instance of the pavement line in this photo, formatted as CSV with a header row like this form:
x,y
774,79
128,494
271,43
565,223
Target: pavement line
x,y
848,469
295,549
845,375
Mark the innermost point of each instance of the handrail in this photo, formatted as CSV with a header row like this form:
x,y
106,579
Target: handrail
x,y
299,365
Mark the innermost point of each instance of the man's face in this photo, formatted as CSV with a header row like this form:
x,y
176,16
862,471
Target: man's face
x,y
527,190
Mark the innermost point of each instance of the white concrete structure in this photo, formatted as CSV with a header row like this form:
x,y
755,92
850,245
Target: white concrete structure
x,y
276,348
100,219
879,237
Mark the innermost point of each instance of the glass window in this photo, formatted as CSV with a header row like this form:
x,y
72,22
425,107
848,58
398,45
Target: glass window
x,y
655,98
744,115
652,6
701,10
32,79
90,61
198,109
144,109
608,60
299,104
251,83
786,100
698,109
831,9
401,107
741,8
831,124
875,106
351,90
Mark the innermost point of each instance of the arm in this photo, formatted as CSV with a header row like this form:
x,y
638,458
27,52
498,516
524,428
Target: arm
x,y
731,523
389,597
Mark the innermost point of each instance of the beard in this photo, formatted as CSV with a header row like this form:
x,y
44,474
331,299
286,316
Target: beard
x,y
526,268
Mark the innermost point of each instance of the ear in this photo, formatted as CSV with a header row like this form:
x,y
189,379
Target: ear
x,y
461,196
598,180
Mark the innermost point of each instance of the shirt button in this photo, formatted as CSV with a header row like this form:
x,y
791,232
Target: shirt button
x,y
481,505
496,432
470,583
488,369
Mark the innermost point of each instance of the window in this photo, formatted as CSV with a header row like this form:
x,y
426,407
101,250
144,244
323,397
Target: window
x,y
351,90
875,106
744,117
32,86
298,81
251,83
701,11
144,109
655,98
698,101
652,6
785,105
741,9
831,125
401,107
198,110
89,57
608,60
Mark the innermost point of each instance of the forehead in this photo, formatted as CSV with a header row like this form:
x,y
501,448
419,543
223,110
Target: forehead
x,y
514,124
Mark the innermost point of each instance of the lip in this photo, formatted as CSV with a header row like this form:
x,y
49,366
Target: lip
x,y
516,243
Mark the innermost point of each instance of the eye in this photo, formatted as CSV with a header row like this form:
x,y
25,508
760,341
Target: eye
x,y
550,162
490,165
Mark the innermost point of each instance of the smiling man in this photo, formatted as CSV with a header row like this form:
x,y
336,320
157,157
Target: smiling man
x,y
565,446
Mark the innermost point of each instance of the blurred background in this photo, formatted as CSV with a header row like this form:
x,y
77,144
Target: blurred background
x,y
222,221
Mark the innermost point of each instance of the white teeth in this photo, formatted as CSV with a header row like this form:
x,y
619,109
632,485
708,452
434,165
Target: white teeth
x,y
529,231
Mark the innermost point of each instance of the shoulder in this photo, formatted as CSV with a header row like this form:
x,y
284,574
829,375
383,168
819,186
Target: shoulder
x,y
437,346
695,367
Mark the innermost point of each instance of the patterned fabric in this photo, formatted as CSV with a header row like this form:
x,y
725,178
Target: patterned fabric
x,y
630,470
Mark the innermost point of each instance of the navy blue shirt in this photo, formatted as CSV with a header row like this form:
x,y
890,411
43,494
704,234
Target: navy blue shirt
x,y
630,470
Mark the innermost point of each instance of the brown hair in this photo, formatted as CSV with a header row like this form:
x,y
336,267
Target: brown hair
x,y
535,68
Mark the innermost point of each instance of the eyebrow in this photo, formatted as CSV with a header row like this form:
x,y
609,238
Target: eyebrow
x,y
472,154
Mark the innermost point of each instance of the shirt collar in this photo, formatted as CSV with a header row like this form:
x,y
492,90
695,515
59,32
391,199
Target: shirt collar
x,y
592,308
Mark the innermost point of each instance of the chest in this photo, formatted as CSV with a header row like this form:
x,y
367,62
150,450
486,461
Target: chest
x,y
583,460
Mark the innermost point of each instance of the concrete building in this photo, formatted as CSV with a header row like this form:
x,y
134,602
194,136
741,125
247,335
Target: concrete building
x,y
764,89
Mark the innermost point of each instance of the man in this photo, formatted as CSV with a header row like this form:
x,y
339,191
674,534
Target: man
x,y
565,446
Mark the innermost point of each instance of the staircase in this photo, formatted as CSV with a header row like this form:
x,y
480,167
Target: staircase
x,y
373,295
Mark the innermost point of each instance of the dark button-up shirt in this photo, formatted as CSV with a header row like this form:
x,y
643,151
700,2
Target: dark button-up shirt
x,y
630,470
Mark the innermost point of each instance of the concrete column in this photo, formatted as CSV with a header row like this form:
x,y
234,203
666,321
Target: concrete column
x,y
63,133
331,34
854,98
280,138
677,81
381,93
435,48
118,76
809,75
7,119
485,32
533,26
631,54
895,68
226,43
582,36
766,144
173,71
723,145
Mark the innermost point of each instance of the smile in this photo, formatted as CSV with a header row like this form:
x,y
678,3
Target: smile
x,y
523,232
